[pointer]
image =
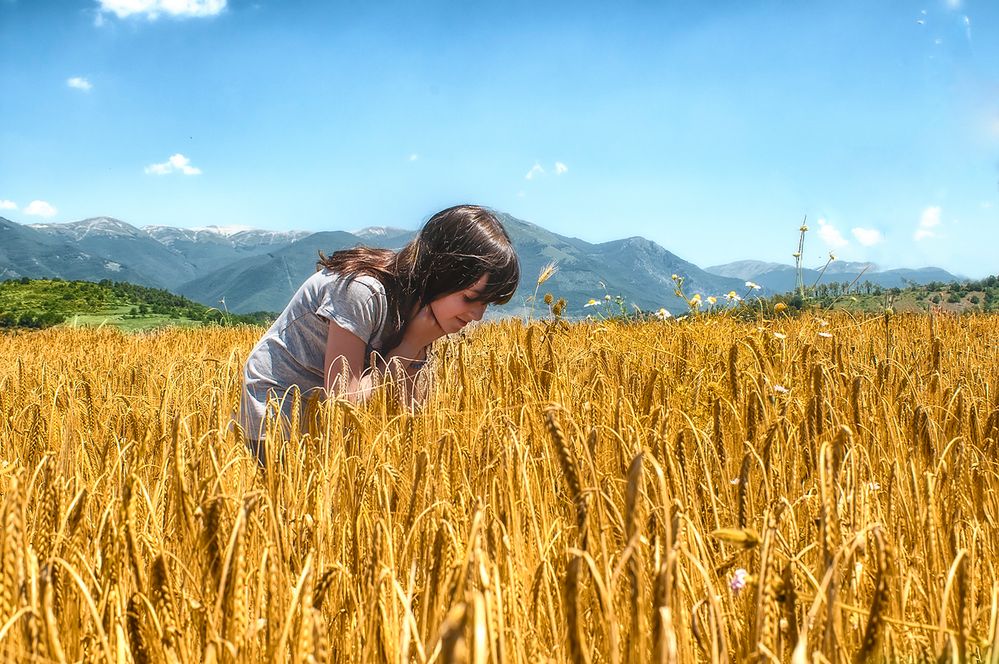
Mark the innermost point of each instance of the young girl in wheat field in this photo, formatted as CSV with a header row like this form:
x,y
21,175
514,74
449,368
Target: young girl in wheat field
x,y
390,305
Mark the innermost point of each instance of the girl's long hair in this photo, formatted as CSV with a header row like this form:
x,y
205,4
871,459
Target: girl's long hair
x,y
450,253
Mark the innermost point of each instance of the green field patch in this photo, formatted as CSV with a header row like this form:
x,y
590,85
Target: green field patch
x,y
38,303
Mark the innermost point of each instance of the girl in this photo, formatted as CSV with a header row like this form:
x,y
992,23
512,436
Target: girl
x,y
366,301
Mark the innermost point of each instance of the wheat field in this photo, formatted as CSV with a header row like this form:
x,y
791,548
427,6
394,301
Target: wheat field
x,y
799,490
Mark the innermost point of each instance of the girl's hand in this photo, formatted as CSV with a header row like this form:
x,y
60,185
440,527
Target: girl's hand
x,y
423,330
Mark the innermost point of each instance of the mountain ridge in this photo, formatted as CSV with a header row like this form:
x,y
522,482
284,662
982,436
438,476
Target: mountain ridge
x,y
782,278
255,269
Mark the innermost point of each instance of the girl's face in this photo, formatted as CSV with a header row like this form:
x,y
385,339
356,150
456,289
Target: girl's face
x,y
456,310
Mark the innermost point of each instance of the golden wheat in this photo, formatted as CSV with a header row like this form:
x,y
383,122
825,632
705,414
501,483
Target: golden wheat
x,y
564,491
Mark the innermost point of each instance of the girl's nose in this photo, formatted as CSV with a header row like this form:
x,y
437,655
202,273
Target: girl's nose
x,y
478,310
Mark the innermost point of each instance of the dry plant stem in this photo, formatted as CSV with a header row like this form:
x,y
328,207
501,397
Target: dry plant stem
x,y
279,650
952,575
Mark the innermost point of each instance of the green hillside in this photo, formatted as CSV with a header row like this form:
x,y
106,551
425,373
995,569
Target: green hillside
x,y
38,303
981,295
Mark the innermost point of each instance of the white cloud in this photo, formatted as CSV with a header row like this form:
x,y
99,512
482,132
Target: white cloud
x,y
831,235
868,237
953,4
177,162
151,9
560,168
930,217
40,209
928,220
7,205
79,83
414,157
535,170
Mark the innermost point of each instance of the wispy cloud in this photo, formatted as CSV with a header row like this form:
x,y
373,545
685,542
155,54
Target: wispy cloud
x,y
414,157
7,205
177,163
152,9
928,220
535,171
40,209
558,169
831,235
867,237
79,83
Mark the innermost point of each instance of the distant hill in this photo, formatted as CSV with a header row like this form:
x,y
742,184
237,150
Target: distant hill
x,y
636,268
35,303
956,297
265,282
28,252
385,235
157,256
158,264
253,270
781,278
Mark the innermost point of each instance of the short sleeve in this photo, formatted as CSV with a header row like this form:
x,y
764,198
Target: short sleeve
x,y
357,305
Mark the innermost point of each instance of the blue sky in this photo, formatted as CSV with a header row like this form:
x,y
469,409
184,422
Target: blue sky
x,y
712,128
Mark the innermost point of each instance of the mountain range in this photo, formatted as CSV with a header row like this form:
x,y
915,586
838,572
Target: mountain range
x,y
779,278
257,270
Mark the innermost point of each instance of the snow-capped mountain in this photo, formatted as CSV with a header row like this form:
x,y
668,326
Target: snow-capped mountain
x,y
384,235
235,235
163,256
379,231
95,227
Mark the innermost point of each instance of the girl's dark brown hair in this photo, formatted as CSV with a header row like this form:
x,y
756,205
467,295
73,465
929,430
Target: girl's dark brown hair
x,y
450,253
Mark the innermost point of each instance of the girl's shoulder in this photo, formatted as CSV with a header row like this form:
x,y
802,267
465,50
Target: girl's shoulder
x,y
353,287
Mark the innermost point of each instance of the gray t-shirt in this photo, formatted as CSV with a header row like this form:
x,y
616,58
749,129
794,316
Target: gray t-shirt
x,y
293,351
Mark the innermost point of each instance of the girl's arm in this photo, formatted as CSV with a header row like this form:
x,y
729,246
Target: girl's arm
x,y
344,358
344,362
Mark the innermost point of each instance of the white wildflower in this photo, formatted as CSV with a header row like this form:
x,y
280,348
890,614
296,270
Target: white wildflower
x,y
739,580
